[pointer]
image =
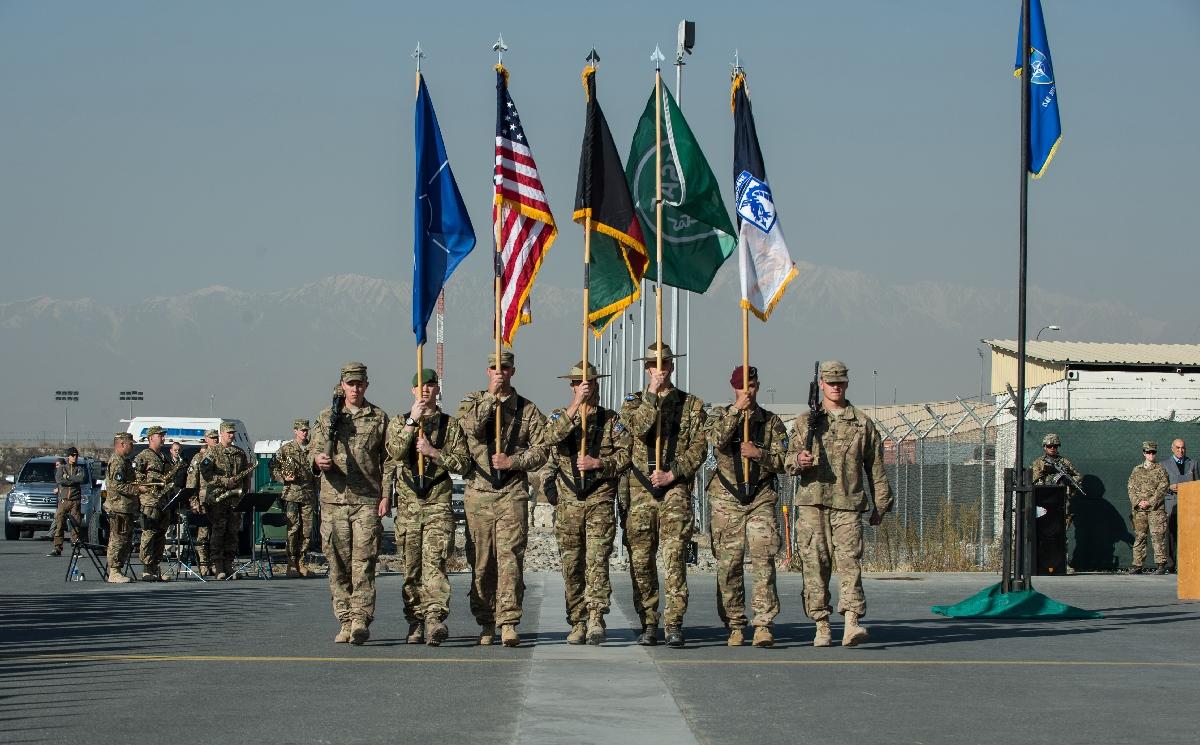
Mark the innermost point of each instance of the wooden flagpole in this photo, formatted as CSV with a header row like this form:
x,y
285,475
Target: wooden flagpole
x,y
745,389
497,216
418,54
658,243
587,279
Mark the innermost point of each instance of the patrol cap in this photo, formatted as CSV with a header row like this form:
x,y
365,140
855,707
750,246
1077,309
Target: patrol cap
x,y
300,424
652,353
72,451
735,379
507,359
1149,446
354,371
427,376
833,371
577,372
210,433
155,430
122,436
228,427
1051,439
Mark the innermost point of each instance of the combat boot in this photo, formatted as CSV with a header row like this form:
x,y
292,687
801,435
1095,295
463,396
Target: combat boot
x,y
487,634
343,635
117,577
359,633
509,636
220,567
595,628
648,637
736,637
1161,569
763,637
1135,570
578,633
304,569
150,577
416,633
293,571
853,634
824,635
675,637
436,633
56,551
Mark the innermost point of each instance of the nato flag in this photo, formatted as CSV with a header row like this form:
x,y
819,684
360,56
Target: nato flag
x,y
1045,129
442,232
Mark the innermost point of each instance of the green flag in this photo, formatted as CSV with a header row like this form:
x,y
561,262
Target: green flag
x,y
697,233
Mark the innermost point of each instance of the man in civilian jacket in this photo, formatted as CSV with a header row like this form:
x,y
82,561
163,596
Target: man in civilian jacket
x,y
1180,468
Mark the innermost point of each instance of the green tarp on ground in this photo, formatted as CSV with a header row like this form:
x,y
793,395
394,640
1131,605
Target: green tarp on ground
x,y
991,603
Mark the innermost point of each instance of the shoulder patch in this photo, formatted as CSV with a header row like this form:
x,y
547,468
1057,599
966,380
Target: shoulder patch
x,y
118,476
555,416
784,443
631,397
618,427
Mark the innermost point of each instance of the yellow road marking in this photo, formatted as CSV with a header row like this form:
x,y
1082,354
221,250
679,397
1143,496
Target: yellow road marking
x,y
995,663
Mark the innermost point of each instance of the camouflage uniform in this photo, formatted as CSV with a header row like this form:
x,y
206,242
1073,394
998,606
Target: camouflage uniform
x,y
584,521
1043,473
220,465
150,466
497,503
829,501
203,526
70,482
1149,481
291,467
424,519
122,505
739,519
350,493
656,517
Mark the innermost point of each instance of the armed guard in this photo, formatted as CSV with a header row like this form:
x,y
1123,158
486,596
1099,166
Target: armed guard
x,y
290,467
743,497
222,475
659,513
497,497
1052,469
586,472
424,517
151,467
122,505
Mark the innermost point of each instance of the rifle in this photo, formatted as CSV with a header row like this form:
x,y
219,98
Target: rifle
x,y
335,416
815,412
1060,474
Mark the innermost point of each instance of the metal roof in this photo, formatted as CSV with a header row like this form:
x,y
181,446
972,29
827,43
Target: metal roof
x,y
1104,353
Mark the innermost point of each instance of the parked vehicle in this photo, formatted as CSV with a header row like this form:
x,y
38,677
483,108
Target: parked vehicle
x,y
31,504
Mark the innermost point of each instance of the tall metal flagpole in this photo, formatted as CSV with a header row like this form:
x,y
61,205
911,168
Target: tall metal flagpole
x,y
657,59
418,55
497,217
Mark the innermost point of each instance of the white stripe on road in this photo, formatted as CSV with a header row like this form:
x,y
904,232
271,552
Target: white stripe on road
x,y
584,694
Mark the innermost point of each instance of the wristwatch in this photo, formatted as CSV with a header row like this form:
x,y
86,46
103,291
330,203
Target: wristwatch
x,y
410,422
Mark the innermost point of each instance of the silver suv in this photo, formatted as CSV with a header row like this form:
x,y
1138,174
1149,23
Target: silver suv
x,y
31,504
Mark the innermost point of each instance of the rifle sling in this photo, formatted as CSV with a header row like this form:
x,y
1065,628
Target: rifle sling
x,y
501,479
581,484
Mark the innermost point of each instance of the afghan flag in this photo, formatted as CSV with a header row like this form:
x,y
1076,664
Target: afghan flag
x,y
697,233
618,260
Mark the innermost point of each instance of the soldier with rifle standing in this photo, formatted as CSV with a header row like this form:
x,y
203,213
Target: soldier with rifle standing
x,y
1052,469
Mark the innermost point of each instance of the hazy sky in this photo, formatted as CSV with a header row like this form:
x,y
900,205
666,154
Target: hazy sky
x,y
157,147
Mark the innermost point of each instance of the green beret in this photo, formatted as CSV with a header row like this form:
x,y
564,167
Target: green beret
x,y
427,376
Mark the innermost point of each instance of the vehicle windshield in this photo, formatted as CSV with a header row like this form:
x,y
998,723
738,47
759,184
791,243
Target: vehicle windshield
x,y
41,472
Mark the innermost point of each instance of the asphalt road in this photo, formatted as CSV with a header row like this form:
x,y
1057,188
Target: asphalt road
x,y
253,661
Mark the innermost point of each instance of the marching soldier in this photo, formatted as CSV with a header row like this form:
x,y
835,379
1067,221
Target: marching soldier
x,y
353,500
1148,485
743,499
586,471
830,502
497,497
223,473
424,517
122,506
203,525
151,467
659,512
290,467
70,477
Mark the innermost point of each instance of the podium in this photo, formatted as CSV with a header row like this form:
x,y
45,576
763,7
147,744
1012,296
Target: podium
x,y
1188,551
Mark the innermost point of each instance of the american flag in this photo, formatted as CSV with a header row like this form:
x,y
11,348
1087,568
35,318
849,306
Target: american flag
x,y
521,214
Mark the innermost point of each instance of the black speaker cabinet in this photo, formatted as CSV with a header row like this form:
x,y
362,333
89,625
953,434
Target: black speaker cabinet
x,y
1050,536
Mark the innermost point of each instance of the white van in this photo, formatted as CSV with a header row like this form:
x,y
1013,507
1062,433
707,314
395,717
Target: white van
x,y
186,430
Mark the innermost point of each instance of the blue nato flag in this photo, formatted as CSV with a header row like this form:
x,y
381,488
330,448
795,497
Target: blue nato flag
x,y
442,232
1045,129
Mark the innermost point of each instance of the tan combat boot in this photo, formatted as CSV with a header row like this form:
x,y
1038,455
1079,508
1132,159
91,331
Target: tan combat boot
x,y
824,635
304,569
853,634
117,577
595,629
487,634
578,633
220,567
436,633
509,636
293,571
359,633
343,636
736,637
416,633
763,637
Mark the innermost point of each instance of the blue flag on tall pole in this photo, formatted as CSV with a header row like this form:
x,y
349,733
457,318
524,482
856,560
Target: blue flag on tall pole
x,y
1045,129
442,232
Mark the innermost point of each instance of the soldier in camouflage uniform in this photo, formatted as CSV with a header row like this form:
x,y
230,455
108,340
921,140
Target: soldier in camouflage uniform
x,y
497,497
151,465
742,502
830,500
122,505
223,474
291,467
199,512
659,513
584,495
353,500
70,477
424,517
1148,485
1045,473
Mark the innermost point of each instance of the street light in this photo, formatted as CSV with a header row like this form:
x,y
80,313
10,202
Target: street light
x,y
982,364
1051,327
66,397
131,396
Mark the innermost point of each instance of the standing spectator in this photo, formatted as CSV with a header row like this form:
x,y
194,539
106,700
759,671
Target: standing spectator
x,y
1180,468
1147,487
